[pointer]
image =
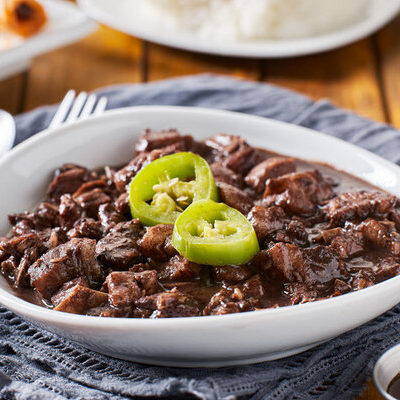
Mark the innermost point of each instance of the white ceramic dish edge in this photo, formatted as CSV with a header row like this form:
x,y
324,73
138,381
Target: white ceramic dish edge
x,y
211,341
379,15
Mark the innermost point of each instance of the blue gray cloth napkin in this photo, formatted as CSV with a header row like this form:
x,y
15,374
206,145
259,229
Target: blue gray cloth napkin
x,y
43,366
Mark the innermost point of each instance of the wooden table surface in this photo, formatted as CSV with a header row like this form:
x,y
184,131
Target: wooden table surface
x,y
363,77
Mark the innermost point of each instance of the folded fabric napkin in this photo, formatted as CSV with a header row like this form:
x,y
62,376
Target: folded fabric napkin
x,y
43,366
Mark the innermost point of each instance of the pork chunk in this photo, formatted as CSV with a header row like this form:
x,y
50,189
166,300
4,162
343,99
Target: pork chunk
x,y
234,197
381,234
178,269
63,263
316,267
80,299
357,206
156,242
269,168
237,298
67,180
298,193
119,249
125,287
169,304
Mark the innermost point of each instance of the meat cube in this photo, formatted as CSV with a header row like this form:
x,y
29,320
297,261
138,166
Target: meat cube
x,y
225,144
91,195
226,175
80,299
231,273
86,228
234,153
122,205
270,168
168,304
56,237
362,280
9,266
46,216
357,206
381,234
238,298
109,216
64,263
69,211
156,242
67,179
124,176
385,269
242,160
272,223
63,291
20,245
346,242
178,268
234,197
267,220
152,140
299,293
340,287
119,248
125,287
298,193
316,267
22,251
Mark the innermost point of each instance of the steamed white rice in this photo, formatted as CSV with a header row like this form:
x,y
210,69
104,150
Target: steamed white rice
x,y
253,19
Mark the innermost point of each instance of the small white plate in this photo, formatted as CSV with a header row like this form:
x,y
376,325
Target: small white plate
x,y
386,368
66,24
122,18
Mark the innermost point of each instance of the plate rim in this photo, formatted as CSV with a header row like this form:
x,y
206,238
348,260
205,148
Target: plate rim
x,y
14,58
263,49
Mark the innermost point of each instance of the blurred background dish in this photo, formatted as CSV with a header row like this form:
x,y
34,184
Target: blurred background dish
x,y
243,28
57,23
22,17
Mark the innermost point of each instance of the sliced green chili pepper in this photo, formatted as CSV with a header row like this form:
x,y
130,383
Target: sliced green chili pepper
x,y
165,187
214,234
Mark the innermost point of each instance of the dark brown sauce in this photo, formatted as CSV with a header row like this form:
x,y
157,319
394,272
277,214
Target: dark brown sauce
x,y
275,289
394,387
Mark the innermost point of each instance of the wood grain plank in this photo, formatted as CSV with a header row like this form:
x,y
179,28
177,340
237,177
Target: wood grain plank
x,y
347,77
164,62
12,93
388,53
106,57
371,393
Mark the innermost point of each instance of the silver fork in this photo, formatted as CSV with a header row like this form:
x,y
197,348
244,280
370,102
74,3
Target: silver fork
x,y
77,107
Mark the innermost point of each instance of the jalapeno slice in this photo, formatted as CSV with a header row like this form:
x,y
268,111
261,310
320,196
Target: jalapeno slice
x,y
213,233
165,187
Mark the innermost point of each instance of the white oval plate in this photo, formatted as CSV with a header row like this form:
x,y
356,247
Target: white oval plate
x,y
118,14
198,341
66,24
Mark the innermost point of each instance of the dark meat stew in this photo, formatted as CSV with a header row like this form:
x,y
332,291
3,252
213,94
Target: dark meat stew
x,y
321,233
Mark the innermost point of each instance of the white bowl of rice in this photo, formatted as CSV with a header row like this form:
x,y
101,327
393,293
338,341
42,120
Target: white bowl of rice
x,y
238,20
246,28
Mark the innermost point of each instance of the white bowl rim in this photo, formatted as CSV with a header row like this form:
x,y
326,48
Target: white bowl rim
x,y
383,391
28,308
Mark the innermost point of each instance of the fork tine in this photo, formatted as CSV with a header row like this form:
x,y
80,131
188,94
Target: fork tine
x,y
63,109
77,107
88,108
101,106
